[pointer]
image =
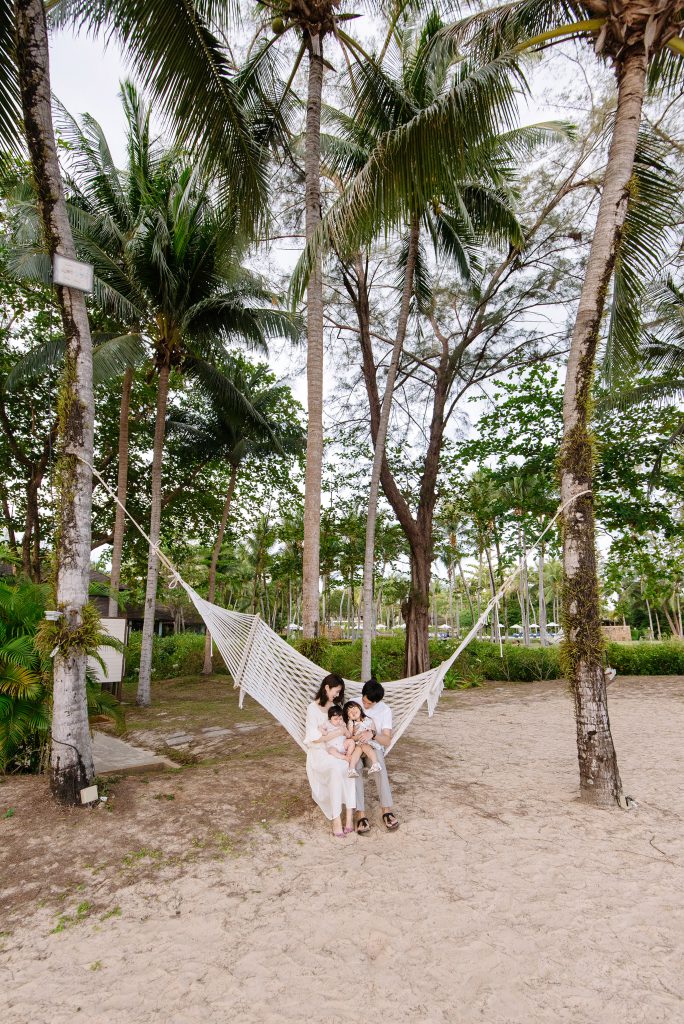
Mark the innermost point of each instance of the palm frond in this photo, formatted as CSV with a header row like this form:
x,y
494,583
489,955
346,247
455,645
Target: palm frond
x,y
427,156
113,357
36,363
181,63
653,206
10,100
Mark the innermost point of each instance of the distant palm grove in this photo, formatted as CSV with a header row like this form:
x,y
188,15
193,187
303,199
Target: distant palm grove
x,y
376,292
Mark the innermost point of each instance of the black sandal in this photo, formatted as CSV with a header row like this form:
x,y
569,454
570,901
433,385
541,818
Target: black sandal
x,y
390,821
366,827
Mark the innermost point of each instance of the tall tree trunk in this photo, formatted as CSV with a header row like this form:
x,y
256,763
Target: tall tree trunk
x,y
583,645
416,613
121,488
26,544
543,636
9,522
71,760
35,528
208,667
496,628
379,444
650,620
145,678
314,359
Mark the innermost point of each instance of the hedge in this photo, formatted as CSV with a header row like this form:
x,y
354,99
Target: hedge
x,y
181,654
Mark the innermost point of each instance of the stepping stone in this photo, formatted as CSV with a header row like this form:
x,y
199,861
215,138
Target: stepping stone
x,y
216,730
246,727
112,755
178,741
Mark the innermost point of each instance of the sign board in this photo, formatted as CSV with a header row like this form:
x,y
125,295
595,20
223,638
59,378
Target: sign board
x,y
72,274
114,660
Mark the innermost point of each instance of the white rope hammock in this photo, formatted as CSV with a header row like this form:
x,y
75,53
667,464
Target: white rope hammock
x,y
284,682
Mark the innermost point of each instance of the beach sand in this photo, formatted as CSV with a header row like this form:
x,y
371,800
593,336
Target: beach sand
x,y
502,898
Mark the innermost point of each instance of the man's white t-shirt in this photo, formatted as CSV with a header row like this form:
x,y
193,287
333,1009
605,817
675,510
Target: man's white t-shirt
x,y
381,714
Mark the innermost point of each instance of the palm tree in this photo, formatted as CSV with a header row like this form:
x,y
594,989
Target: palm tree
x,y
422,160
170,46
167,255
636,38
25,86
222,435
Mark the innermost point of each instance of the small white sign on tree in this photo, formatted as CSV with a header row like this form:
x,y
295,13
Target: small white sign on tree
x,y
72,274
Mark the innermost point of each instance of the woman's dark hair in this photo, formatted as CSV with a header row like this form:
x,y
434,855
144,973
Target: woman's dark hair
x,y
333,710
373,690
351,704
331,680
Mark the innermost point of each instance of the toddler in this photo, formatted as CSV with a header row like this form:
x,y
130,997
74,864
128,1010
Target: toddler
x,y
341,745
356,723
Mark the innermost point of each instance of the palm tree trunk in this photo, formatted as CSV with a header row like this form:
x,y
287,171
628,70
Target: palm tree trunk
x,y
71,757
599,776
379,453
145,678
650,619
496,629
314,359
543,637
467,593
208,668
121,489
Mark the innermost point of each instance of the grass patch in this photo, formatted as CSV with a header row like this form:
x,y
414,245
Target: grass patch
x,y
65,921
144,853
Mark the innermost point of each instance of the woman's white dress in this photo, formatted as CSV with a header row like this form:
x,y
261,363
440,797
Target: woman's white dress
x,y
330,785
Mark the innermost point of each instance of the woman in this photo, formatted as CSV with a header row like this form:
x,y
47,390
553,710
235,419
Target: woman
x,y
330,784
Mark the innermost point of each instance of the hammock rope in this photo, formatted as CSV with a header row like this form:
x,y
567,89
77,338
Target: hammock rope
x,y
282,680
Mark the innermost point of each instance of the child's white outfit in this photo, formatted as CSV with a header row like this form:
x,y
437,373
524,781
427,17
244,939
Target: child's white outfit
x,y
337,742
366,725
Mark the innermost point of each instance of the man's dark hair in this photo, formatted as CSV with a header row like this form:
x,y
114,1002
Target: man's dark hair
x,y
373,690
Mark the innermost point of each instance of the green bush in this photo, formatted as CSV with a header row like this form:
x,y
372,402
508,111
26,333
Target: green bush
x,y
655,658
181,654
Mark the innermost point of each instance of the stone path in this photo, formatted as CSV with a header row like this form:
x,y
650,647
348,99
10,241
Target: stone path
x,y
207,735
114,755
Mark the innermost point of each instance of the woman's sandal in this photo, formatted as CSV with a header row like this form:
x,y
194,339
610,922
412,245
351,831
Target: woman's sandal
x,y
347,830
390,821
366,827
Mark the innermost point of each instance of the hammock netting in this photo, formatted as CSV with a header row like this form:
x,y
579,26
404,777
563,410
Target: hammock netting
x,y
283,681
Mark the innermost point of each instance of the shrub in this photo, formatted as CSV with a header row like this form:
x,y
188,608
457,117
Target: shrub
x,y
315,648
181,654
655,658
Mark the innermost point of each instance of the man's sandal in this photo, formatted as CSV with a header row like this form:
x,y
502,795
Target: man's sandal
x,y
390,821
363,827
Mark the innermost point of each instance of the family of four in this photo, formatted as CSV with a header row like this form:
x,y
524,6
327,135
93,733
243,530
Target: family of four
x,y
340,738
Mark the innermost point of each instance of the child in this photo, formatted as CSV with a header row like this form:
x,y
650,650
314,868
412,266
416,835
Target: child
x,y
341,745
356,723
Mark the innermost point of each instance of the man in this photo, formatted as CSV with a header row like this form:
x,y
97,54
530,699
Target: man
x,y
381,715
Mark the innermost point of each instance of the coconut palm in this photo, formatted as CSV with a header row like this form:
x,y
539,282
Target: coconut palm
x,y
638,39
429,149
171,48
167,256
219,434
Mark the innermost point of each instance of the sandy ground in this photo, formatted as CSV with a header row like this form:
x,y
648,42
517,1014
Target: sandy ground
x,y
501,898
